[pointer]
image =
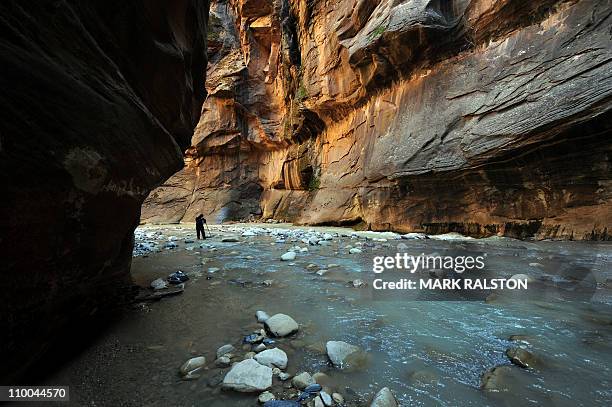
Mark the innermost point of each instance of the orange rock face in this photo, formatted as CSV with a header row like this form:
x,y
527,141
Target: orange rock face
x,y
481,117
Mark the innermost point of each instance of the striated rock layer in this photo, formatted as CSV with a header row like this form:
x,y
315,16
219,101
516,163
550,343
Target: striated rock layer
x,y
99,101
476,116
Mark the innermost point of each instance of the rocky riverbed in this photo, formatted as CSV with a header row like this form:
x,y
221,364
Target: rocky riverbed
x,y
271,308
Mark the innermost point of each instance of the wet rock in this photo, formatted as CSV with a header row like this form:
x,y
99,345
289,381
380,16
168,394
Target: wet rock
x,y
339,351
338,398
272,357
322,272
288,256
354,250
261,316
223,361
384,398
503,378
249,355
519,338
230,239
358,283
317,402
326,398
265,397
281,325
192,365
332,265
224,350
248,376
302,380
521,357
159,284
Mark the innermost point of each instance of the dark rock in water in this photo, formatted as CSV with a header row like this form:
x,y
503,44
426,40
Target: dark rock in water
x,y
506,378
88,130
177,277
521,357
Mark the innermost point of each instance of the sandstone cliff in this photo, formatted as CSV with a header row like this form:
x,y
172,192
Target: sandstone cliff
x,y
99,100
476,116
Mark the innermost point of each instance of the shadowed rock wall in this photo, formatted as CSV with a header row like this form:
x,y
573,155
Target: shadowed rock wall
x,y
99,100
476,116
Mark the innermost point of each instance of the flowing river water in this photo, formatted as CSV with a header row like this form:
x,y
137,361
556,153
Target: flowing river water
x,y
430,351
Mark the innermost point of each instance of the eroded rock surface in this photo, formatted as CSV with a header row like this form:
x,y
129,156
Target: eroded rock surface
x,y
99,101
471,116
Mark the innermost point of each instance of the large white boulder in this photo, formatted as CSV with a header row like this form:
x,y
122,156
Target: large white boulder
x,y
281,325
248,376
272,358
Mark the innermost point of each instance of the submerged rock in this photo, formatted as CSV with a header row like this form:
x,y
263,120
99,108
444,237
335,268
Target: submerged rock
x,y
192,365
384,398
524,277
521,357
503,378
281,325
248,376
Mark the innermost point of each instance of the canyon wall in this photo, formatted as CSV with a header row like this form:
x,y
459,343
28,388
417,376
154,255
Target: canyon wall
x,y
99,101
475,116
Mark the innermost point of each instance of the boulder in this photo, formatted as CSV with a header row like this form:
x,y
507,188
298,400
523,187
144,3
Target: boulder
x,y
248,376
384,398
521,357
302,380
272,357
288,256
339,351
281,325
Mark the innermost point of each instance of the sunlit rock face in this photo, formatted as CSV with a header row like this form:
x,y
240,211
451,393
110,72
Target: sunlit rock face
x,y
481,117
99,100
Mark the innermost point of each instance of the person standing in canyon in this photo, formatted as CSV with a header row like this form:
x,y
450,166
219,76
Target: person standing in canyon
x,y
200,221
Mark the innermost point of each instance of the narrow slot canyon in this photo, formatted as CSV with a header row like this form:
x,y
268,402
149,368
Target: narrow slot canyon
x,y
294,202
